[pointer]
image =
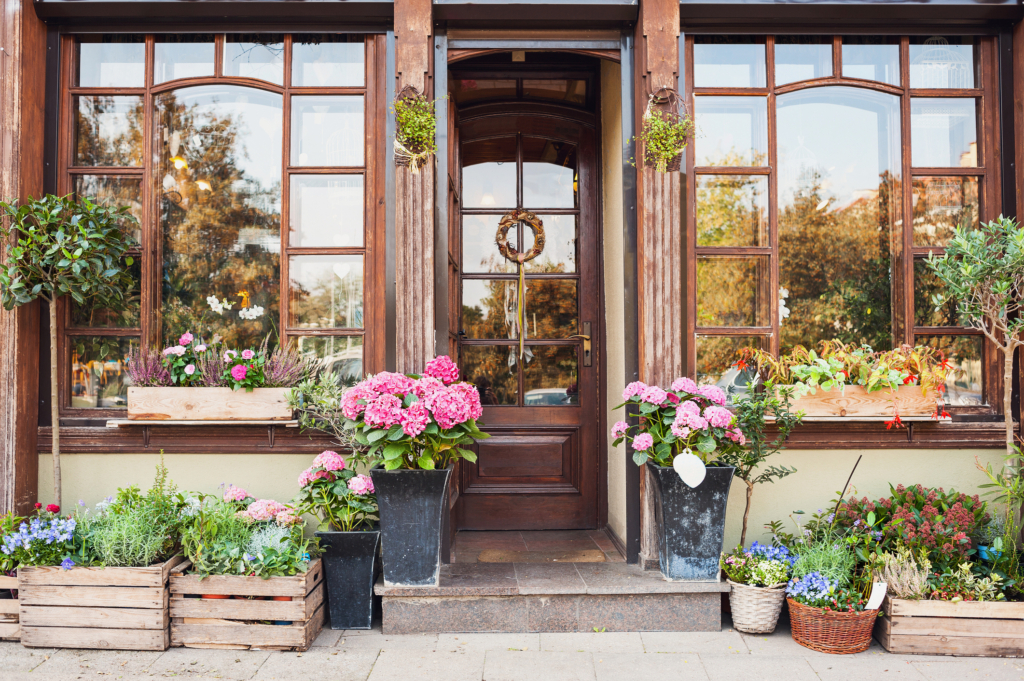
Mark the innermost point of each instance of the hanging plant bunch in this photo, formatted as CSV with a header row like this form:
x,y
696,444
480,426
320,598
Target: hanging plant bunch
x,y
414,139
667,129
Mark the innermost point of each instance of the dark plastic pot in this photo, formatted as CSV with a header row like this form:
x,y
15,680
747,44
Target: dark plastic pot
x,y
412,508
351,564
691,522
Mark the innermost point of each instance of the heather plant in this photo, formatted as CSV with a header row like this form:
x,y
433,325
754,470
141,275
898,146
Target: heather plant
x,y
286,367
146,369
905,577
211,370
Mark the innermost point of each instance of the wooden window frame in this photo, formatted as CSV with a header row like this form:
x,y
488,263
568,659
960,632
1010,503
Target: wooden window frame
x,y
988,172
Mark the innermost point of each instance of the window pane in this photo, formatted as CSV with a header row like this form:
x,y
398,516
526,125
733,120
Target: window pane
x,y
493,370
182,56
327,131
98,375
732,210
716,356
489,173
731,131
468,90
549,174
254,56
942,204
559,254
113,60
943,62
732,291
963,386
328,60
489,308
839,160
549,377
108,130
326,210
926,287
728,61
563,91
802,57
872,58
326,291
116,191
943,132
125,315
551,308
479,251
218,189
341,354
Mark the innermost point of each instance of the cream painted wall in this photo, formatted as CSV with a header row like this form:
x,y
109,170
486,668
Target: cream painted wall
x,y
615,380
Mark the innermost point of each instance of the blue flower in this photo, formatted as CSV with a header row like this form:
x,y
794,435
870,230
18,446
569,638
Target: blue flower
x,y
811,589
67,564
779,553
249,557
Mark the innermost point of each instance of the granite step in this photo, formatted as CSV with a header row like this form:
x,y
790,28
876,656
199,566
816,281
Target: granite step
x,y
551,597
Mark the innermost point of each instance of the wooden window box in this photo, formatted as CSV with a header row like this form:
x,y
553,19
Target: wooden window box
x,y
114,608
856,403
988,629
208,404
241,623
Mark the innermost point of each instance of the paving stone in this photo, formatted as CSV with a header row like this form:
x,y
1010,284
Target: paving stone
x,y
405,665
971,669
747,667
538,666
720,643
485,642
378,641
16,658
227,664
842,667
319,664
114,662
328,638
610,641
781,644
618,667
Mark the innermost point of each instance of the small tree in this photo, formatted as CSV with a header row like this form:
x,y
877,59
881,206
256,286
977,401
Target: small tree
x,y
57,247
751,416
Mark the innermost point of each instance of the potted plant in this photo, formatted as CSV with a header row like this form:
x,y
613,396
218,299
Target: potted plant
x,y
414,427
345,504
757,578
681,435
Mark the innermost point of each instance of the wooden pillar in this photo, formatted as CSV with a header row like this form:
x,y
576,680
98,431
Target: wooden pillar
x,y
414,201
659,236
22,103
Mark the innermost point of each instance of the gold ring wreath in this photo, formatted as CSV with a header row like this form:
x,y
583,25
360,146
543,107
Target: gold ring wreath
x,y
507,222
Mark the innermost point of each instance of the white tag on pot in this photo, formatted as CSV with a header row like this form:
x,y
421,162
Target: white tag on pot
x,y
878,590
690,468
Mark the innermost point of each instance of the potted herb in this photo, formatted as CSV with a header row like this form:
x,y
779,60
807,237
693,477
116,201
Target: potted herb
x,y
682,435
757,577
344,503
415,428
415,125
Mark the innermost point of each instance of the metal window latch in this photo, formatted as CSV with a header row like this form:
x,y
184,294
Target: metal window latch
x,y
585,337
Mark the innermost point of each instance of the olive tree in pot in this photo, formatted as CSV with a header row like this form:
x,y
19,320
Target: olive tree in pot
x,y
58,247
682,435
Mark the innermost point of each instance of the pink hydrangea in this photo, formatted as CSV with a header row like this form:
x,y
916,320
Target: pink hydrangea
x,y
361,484
653,395
383,412
388,383
350,401
415,419
454,405
186,338
329,461
248,354
619,429
689,406
736,435
713,393
239,371
233,493
679,430
472,397
690,420
643,442
287,518
719,417
426,385
312,474
633,389
442,368
263,510
684,385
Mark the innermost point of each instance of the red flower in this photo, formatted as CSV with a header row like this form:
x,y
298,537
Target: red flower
x,y
38,505
740,364
896,421
909,379
53,508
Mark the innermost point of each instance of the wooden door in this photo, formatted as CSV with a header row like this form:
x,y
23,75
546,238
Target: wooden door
x,y
540,467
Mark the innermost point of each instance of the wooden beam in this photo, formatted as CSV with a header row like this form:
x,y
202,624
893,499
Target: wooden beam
x,y
22,116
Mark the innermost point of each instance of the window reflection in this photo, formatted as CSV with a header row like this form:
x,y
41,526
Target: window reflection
x,y
802,57
467,90
732,291
98,375
326,291
327,131
731,131
926,287
732,210
550,377
255,56
549,174
108,130
111,60
872,58
479,251
559,254
125,315
489,308
326,210
493,369
328,60
218,183
116,191
728,61
183,56
489,173
963,386
342,355
716,359
943,132
943,62
941,204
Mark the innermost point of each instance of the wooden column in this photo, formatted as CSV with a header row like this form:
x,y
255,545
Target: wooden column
x,y
22,102
659,236
414,201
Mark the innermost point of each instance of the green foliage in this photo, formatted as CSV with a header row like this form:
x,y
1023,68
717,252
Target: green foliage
x,y
215,537
315,400
831,557
415,127
1007,486
961,584
336,506
8,524
664,136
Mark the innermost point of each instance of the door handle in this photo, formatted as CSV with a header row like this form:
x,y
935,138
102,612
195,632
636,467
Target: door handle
x,y
585,337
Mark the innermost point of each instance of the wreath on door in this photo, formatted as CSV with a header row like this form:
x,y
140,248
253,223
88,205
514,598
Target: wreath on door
x,y
510,253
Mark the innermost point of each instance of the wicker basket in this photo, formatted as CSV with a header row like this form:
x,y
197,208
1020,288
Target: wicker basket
x,y
755,609
839,633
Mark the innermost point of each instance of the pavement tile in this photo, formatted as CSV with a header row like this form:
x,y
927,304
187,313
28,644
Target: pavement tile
x,y
328,638
405,665
319,664
971,669
226,664
747,667
16,658
618,667
592,642
114,662
537,666
842,667
378,641
781,644
485,642
715,643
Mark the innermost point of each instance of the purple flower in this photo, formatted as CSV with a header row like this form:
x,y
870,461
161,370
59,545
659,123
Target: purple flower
x,y
67,564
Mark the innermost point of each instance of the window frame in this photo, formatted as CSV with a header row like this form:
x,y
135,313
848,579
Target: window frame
x,y
373,249
988,173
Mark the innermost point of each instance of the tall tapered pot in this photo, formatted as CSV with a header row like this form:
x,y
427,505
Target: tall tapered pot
x,y
691,522
412,506
351,563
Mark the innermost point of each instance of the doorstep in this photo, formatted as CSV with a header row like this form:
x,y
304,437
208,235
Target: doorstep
x,y
551,597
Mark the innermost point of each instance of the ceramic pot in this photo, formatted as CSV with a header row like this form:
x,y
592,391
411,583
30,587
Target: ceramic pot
x,y
351,565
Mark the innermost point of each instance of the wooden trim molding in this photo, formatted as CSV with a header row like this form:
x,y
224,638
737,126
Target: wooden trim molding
x,y
274,440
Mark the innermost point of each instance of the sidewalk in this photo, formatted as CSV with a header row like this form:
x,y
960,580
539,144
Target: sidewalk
x,y
368,655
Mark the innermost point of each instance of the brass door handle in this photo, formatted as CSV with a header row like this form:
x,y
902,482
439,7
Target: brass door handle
x,y
585,337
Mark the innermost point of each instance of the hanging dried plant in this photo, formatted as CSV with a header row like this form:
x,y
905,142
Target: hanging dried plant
x,y
667,129
414,138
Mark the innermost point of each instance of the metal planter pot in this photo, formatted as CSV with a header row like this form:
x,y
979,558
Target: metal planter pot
x,y
691,522
351,565
412,506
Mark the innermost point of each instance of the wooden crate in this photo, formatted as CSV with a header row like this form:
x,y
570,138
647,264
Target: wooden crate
x,y
114,608
10,627
208,404
989,629
856,402
236,623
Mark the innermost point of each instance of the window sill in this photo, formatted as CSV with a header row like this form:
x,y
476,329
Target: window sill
x,y
956,434
93,437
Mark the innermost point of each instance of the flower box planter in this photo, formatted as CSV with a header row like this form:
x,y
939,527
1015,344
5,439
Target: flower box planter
x,y
115,608
10,627
968,628
856,402
247,623
208,404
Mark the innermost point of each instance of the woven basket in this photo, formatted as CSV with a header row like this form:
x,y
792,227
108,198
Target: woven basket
x,y
755,609
839,633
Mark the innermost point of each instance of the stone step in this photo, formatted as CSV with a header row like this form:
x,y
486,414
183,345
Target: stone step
x,y
551,597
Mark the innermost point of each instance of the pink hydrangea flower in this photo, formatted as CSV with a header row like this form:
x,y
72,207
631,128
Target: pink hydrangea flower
x,y
426,385
713,393
383,412
350,401
233,493
306,477
653,395
263,510
442,368
190,369
248,354
415,419
388,383
471,395
634,388
737,436
689,406
619,429
643,442
454,405
330,461
719,417
186,338
239,371
684,385
287,519
361,484
679,431
175,350
690,420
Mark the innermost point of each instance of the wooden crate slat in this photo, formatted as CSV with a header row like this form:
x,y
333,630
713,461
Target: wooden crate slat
x,y
102,639
239,634
8,606
970,609
10,630
102,618
314,575
95,596
8,582
957,626
236,585
238,609
314,600
152,576
957,645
